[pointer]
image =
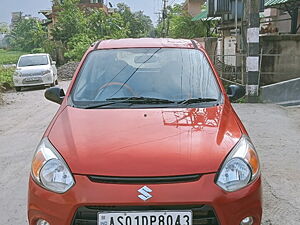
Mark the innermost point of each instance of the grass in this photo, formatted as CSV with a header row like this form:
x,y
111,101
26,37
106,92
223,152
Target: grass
x,y
9,57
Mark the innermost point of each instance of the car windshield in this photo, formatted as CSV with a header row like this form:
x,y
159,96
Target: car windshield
x,y
34,60
160,75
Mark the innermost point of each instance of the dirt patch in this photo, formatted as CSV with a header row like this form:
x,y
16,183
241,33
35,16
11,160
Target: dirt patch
x,y
275,132
66,72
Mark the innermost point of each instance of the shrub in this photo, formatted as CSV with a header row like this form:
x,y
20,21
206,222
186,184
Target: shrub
x,y
6,75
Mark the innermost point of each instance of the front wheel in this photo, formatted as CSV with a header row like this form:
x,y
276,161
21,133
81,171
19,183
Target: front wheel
x,y
18,89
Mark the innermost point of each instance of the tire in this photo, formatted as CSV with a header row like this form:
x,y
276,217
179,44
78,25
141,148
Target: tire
x,y
56,82
18,89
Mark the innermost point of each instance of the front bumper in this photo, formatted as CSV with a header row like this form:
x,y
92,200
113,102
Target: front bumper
x,y
60,209
28,81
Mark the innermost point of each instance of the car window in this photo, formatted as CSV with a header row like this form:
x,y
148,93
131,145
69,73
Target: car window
x,y
165,73
35,60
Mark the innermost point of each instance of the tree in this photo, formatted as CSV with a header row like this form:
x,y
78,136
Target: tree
x,y
28,34
102,26
180,24
71,21
138,24
4,29
75,29
76,46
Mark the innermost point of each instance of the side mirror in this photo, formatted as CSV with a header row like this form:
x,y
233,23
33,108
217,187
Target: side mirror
x,y
235,92
55,94
53,63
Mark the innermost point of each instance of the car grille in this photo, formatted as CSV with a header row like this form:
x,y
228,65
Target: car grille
x,y
31,74
144,180
202,215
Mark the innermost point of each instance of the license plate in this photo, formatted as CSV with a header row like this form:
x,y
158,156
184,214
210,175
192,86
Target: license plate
x,y
32,79
145,218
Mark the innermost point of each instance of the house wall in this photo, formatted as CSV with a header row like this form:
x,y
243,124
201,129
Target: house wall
x,y
285,93
285,64
193,7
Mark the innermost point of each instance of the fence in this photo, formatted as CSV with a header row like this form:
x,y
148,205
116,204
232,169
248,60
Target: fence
x,y
273,68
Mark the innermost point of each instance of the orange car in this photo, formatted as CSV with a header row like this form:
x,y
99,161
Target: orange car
x,y
145,135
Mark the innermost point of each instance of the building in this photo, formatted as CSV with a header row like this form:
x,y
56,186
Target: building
x,y
193,7
279,39
15,18
277,16
282,16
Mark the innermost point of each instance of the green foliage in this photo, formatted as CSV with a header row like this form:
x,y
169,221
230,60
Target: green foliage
x,y
71,21
9,57
75,29
242,100
27,35
6,75
138,24
51,47
37,50
180,24
4,29
101,26
77,47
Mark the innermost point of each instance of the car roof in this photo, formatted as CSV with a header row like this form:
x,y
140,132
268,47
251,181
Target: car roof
x,y
35,54
145,43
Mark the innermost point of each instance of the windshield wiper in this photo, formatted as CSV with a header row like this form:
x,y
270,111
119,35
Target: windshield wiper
x,y
197,100
132,100
142,100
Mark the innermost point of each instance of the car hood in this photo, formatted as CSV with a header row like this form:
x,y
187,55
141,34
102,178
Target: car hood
x,y
145,142
33,69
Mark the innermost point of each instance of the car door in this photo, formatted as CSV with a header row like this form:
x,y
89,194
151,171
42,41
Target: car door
x,y
54,69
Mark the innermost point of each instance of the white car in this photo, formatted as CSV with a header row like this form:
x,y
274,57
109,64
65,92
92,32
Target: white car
x,y
35,70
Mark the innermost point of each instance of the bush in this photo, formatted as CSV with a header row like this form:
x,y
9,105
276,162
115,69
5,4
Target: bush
x,y
37,50
6,75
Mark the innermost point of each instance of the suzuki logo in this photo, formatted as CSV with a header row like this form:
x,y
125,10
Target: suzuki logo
x,y
145,193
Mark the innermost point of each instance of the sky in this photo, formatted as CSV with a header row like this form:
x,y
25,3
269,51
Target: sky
x,y
150,7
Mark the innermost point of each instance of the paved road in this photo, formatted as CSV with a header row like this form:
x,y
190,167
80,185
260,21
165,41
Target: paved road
x,y
274,130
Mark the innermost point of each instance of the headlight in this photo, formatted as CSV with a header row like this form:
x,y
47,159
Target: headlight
x,y
46,72
240,168
49,169
17,74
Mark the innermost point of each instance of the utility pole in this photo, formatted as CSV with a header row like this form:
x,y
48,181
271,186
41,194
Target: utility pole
x,y
159,16
252,61
164,18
